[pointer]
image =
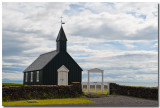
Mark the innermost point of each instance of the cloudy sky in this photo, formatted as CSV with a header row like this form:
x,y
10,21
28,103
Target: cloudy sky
x,y
120,38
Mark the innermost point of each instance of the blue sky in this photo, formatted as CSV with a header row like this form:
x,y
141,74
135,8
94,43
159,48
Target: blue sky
x,y
120,38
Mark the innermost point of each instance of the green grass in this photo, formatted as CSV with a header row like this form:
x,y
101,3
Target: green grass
x,y
93,90
148,87
11,84
140,86
48,102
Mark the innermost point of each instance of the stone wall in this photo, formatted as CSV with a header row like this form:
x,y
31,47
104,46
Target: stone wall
x,y
142,92
40,92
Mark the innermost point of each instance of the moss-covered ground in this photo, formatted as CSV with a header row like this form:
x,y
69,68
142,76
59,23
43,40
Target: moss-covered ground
x,y
48,102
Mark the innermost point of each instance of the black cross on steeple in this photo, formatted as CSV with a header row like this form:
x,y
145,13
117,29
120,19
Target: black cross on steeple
x,y
61,20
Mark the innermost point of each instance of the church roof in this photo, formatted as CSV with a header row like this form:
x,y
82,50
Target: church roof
x,y
41,61
61,35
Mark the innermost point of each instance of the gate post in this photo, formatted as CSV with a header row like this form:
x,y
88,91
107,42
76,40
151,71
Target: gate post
x,y
102,85
95,87
82,86
108,88
88,87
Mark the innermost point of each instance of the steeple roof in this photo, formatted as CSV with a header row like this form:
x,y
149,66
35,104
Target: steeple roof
x,y
61,35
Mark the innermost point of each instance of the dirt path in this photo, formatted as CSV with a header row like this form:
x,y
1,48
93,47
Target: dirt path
x,y
114,101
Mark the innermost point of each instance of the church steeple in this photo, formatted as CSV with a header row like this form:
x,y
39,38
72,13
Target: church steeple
x,y
61,41
61,35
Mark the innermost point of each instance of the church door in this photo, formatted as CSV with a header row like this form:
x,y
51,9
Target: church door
x,y
63,75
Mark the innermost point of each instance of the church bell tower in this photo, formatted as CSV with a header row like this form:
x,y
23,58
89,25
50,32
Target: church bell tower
x,y
61,41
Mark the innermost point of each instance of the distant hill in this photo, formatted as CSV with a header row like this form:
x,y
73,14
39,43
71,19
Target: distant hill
x,y
11,81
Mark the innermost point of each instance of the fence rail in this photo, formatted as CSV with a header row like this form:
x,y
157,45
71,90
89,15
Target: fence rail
x,y
95,87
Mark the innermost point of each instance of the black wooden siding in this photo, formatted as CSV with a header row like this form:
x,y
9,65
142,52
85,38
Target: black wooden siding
x,y
50,74
61,46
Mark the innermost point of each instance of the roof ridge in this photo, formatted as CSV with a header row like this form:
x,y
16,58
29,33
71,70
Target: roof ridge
x,y
48,52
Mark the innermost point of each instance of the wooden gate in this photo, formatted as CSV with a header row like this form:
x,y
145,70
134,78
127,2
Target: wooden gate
x,y
96,87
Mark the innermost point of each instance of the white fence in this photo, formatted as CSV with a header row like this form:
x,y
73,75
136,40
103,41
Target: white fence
x,y
95,87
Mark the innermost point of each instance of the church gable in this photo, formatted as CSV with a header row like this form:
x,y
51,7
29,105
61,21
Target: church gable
x,y
74,62
63,58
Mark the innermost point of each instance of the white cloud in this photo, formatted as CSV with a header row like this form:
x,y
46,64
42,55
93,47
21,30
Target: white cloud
x,y
113,36
12,76
118,20
155,45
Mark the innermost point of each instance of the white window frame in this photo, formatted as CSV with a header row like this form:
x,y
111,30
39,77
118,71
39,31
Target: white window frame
x,y
31,76
37,78
26,79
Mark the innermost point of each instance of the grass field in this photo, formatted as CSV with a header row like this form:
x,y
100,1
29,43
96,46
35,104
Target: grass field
x,y
140,86
48,102
11,84
93,90
147,87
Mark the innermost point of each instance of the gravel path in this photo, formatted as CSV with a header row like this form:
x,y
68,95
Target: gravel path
x,y
114,101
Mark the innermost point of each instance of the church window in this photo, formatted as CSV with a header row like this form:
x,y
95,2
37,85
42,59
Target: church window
x,y
37,76
31,76
26,77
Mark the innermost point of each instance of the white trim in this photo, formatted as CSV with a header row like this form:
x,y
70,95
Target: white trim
x,y
95,70
31,76
62,75
63,68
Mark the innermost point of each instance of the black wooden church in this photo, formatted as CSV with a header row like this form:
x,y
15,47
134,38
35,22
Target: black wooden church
x,y
54,68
